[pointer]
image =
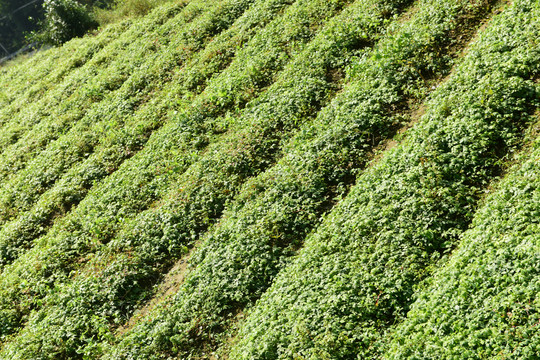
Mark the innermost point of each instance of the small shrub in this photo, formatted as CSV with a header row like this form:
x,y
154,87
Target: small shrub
x,y
64,20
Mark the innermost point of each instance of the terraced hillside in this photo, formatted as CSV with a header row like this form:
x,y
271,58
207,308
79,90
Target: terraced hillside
x,y
276,179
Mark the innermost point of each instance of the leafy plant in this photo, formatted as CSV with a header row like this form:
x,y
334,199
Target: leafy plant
x,y
241,132
64,20
482,302
115,11
356,275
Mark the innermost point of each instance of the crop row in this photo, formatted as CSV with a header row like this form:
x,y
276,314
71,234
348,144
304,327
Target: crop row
x,y
117,146
21,111
22,83
155,237
483,303
138,181
25,78
240,257
356,275
59,107
75,126
234,4
115,122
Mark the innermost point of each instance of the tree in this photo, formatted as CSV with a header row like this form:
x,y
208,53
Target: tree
x,y
65,19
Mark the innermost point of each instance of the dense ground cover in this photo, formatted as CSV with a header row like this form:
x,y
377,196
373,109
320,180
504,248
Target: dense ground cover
x,y
101,107
120,188
483,302
123,134
239,259
50,66
356,274
69,78
252,137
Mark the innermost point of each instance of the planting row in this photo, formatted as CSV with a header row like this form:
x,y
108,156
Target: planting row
x,y
149,243
100,129
118,145
356,275
22,83
141,179
240,257
75,125
61,104
483,303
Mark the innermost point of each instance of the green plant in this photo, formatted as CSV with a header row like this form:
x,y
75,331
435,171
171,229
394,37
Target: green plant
x,y
238,134
482,302
150,172
118,10
64,20
240,256
356,275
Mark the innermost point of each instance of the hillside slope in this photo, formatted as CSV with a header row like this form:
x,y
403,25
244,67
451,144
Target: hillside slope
x,y
276,179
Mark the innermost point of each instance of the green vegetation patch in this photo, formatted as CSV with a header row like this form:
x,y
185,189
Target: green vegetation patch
x,y
356,275
253,137
483,303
